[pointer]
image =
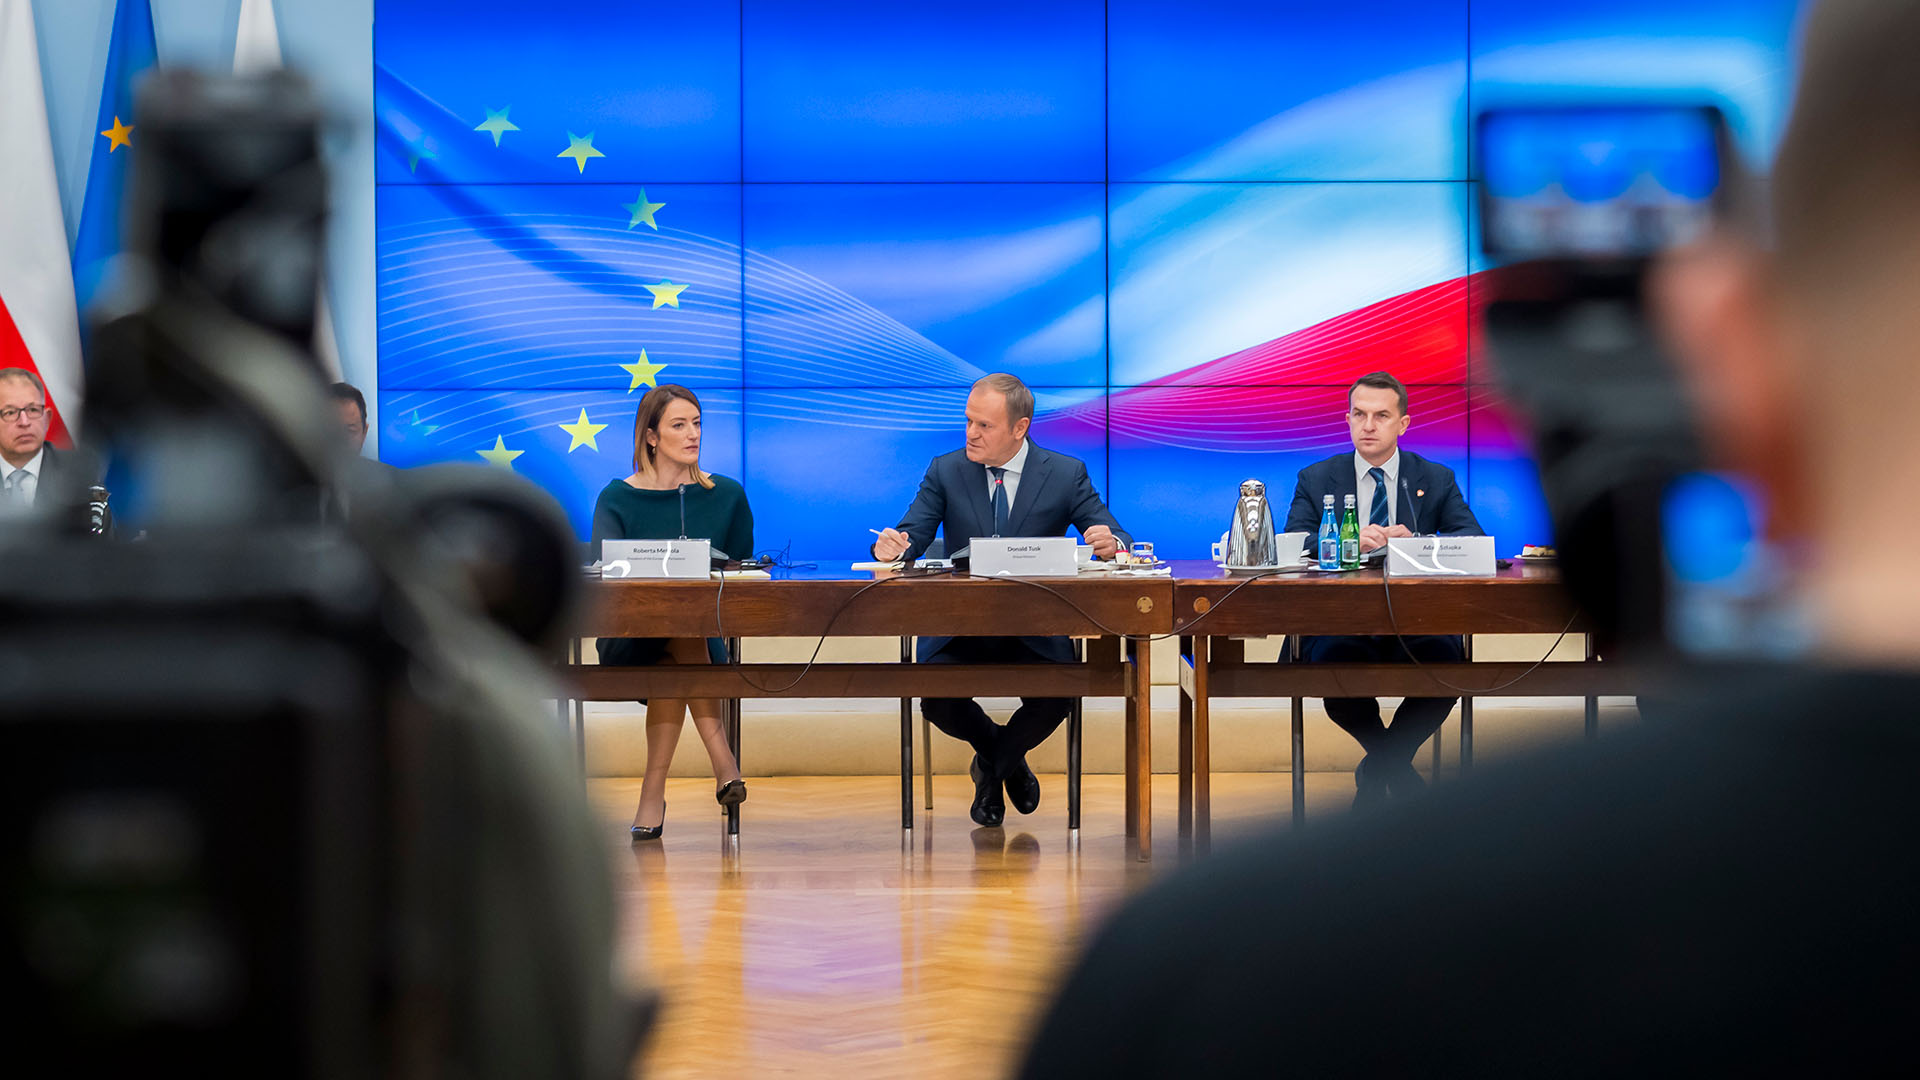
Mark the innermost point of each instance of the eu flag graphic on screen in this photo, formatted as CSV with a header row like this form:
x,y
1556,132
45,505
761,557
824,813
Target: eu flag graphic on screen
x,y
1188,234
130,52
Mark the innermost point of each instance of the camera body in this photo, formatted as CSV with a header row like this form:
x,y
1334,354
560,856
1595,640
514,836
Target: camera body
x,y
1576,202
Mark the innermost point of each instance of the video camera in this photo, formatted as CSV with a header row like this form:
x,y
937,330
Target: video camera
x,y
1575,202
280,792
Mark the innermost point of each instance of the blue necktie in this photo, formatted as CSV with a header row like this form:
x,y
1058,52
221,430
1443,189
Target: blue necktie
x,y
1000,505
1378,515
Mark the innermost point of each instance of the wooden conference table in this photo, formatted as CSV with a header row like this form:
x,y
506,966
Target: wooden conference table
x,y
831,599
1211,609
1204,606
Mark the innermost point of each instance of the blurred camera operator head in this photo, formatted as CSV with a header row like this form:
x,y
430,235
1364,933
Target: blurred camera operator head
x,y
1802,355
352,410
23,416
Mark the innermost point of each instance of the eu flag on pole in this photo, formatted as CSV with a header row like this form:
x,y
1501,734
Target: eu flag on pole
x,y
128,57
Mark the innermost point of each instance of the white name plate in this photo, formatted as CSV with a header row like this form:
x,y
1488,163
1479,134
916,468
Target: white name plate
x,y
1440,556
655,558
1024,556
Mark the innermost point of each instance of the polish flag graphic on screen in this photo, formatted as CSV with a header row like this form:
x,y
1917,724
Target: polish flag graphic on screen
x,y
39,328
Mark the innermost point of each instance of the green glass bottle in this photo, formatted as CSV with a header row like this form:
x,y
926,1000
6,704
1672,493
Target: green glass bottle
x,y
1350,536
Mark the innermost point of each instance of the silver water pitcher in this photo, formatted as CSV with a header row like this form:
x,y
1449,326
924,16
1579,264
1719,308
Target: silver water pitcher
x,y
1250,538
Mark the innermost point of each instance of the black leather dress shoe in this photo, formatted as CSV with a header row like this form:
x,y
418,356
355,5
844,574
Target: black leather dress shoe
x,y
1023,788
731,793
988,808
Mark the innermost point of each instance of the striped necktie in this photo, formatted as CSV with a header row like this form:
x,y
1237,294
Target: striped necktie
x,y
1378,514
1001,507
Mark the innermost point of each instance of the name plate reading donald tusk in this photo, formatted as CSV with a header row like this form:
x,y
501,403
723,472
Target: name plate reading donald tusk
x,y
655,558
1440,556
1024,556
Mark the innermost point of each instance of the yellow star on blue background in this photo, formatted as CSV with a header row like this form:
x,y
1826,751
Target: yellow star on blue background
x,y
497,124
583,432
642,210
120,135
416,152
666,294
580,149
642,372
500,455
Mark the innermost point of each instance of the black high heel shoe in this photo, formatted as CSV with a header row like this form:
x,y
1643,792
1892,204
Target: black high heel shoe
x,y
645,832
731,793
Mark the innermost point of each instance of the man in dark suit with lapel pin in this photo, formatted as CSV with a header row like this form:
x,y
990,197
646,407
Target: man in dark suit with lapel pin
x,y
1398,493
1000,484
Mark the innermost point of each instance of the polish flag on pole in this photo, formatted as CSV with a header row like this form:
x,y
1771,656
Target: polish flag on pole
x,y
255,49
39,327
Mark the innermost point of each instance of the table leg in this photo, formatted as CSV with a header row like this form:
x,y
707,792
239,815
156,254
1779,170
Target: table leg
x,y
1593,703
1139,752
1076,728
1466,720
1202,742
906,763
1186,702
1299,748
906,746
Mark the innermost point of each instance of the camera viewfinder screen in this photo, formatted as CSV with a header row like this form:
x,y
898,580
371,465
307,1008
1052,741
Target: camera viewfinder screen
x,y
1587,183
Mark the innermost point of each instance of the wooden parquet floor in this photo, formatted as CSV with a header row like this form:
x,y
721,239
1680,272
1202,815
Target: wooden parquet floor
x,y
828,942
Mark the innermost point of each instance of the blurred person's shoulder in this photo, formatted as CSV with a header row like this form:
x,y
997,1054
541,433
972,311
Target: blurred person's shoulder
x,y
1741,853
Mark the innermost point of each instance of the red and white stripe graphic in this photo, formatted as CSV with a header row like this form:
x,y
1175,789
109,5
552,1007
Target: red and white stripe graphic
x,y
39,328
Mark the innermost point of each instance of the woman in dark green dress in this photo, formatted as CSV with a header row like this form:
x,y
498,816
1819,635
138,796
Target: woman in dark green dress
x,y
648,505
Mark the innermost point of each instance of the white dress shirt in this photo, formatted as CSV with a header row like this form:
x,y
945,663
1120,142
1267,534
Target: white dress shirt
x,y
1363,485
20,492
1014,466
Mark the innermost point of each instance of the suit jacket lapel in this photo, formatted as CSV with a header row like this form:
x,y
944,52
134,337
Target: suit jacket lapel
x,y
1033,480
1344,485
978,487
1412,478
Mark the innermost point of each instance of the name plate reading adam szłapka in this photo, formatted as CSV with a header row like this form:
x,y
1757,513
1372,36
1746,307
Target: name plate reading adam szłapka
x,y
655,558
1024,556
1440,556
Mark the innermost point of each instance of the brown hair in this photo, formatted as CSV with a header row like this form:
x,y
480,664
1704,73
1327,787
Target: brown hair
x,y
1379,380
1019,398
647,418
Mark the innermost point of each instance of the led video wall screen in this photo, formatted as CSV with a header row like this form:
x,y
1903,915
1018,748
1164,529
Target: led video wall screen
x,y
1187,228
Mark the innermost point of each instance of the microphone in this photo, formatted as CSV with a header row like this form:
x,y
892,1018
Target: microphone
x,y
99,518
683,511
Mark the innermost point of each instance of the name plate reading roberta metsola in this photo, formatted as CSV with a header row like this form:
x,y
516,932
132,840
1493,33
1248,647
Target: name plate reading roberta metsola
x,y
1440,556
655,558
1024,556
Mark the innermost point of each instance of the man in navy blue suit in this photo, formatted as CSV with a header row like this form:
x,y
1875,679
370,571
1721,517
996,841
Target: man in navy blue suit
x,y
1001,484
1399,493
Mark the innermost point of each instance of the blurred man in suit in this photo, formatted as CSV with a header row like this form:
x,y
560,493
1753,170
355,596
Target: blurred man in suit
x,y
1399,493
1000,484
1727,890
28,466
351,407
359,476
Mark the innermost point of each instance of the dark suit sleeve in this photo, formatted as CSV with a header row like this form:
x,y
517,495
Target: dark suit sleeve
x,y
1455,518
1304,514
922,519
1089,511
